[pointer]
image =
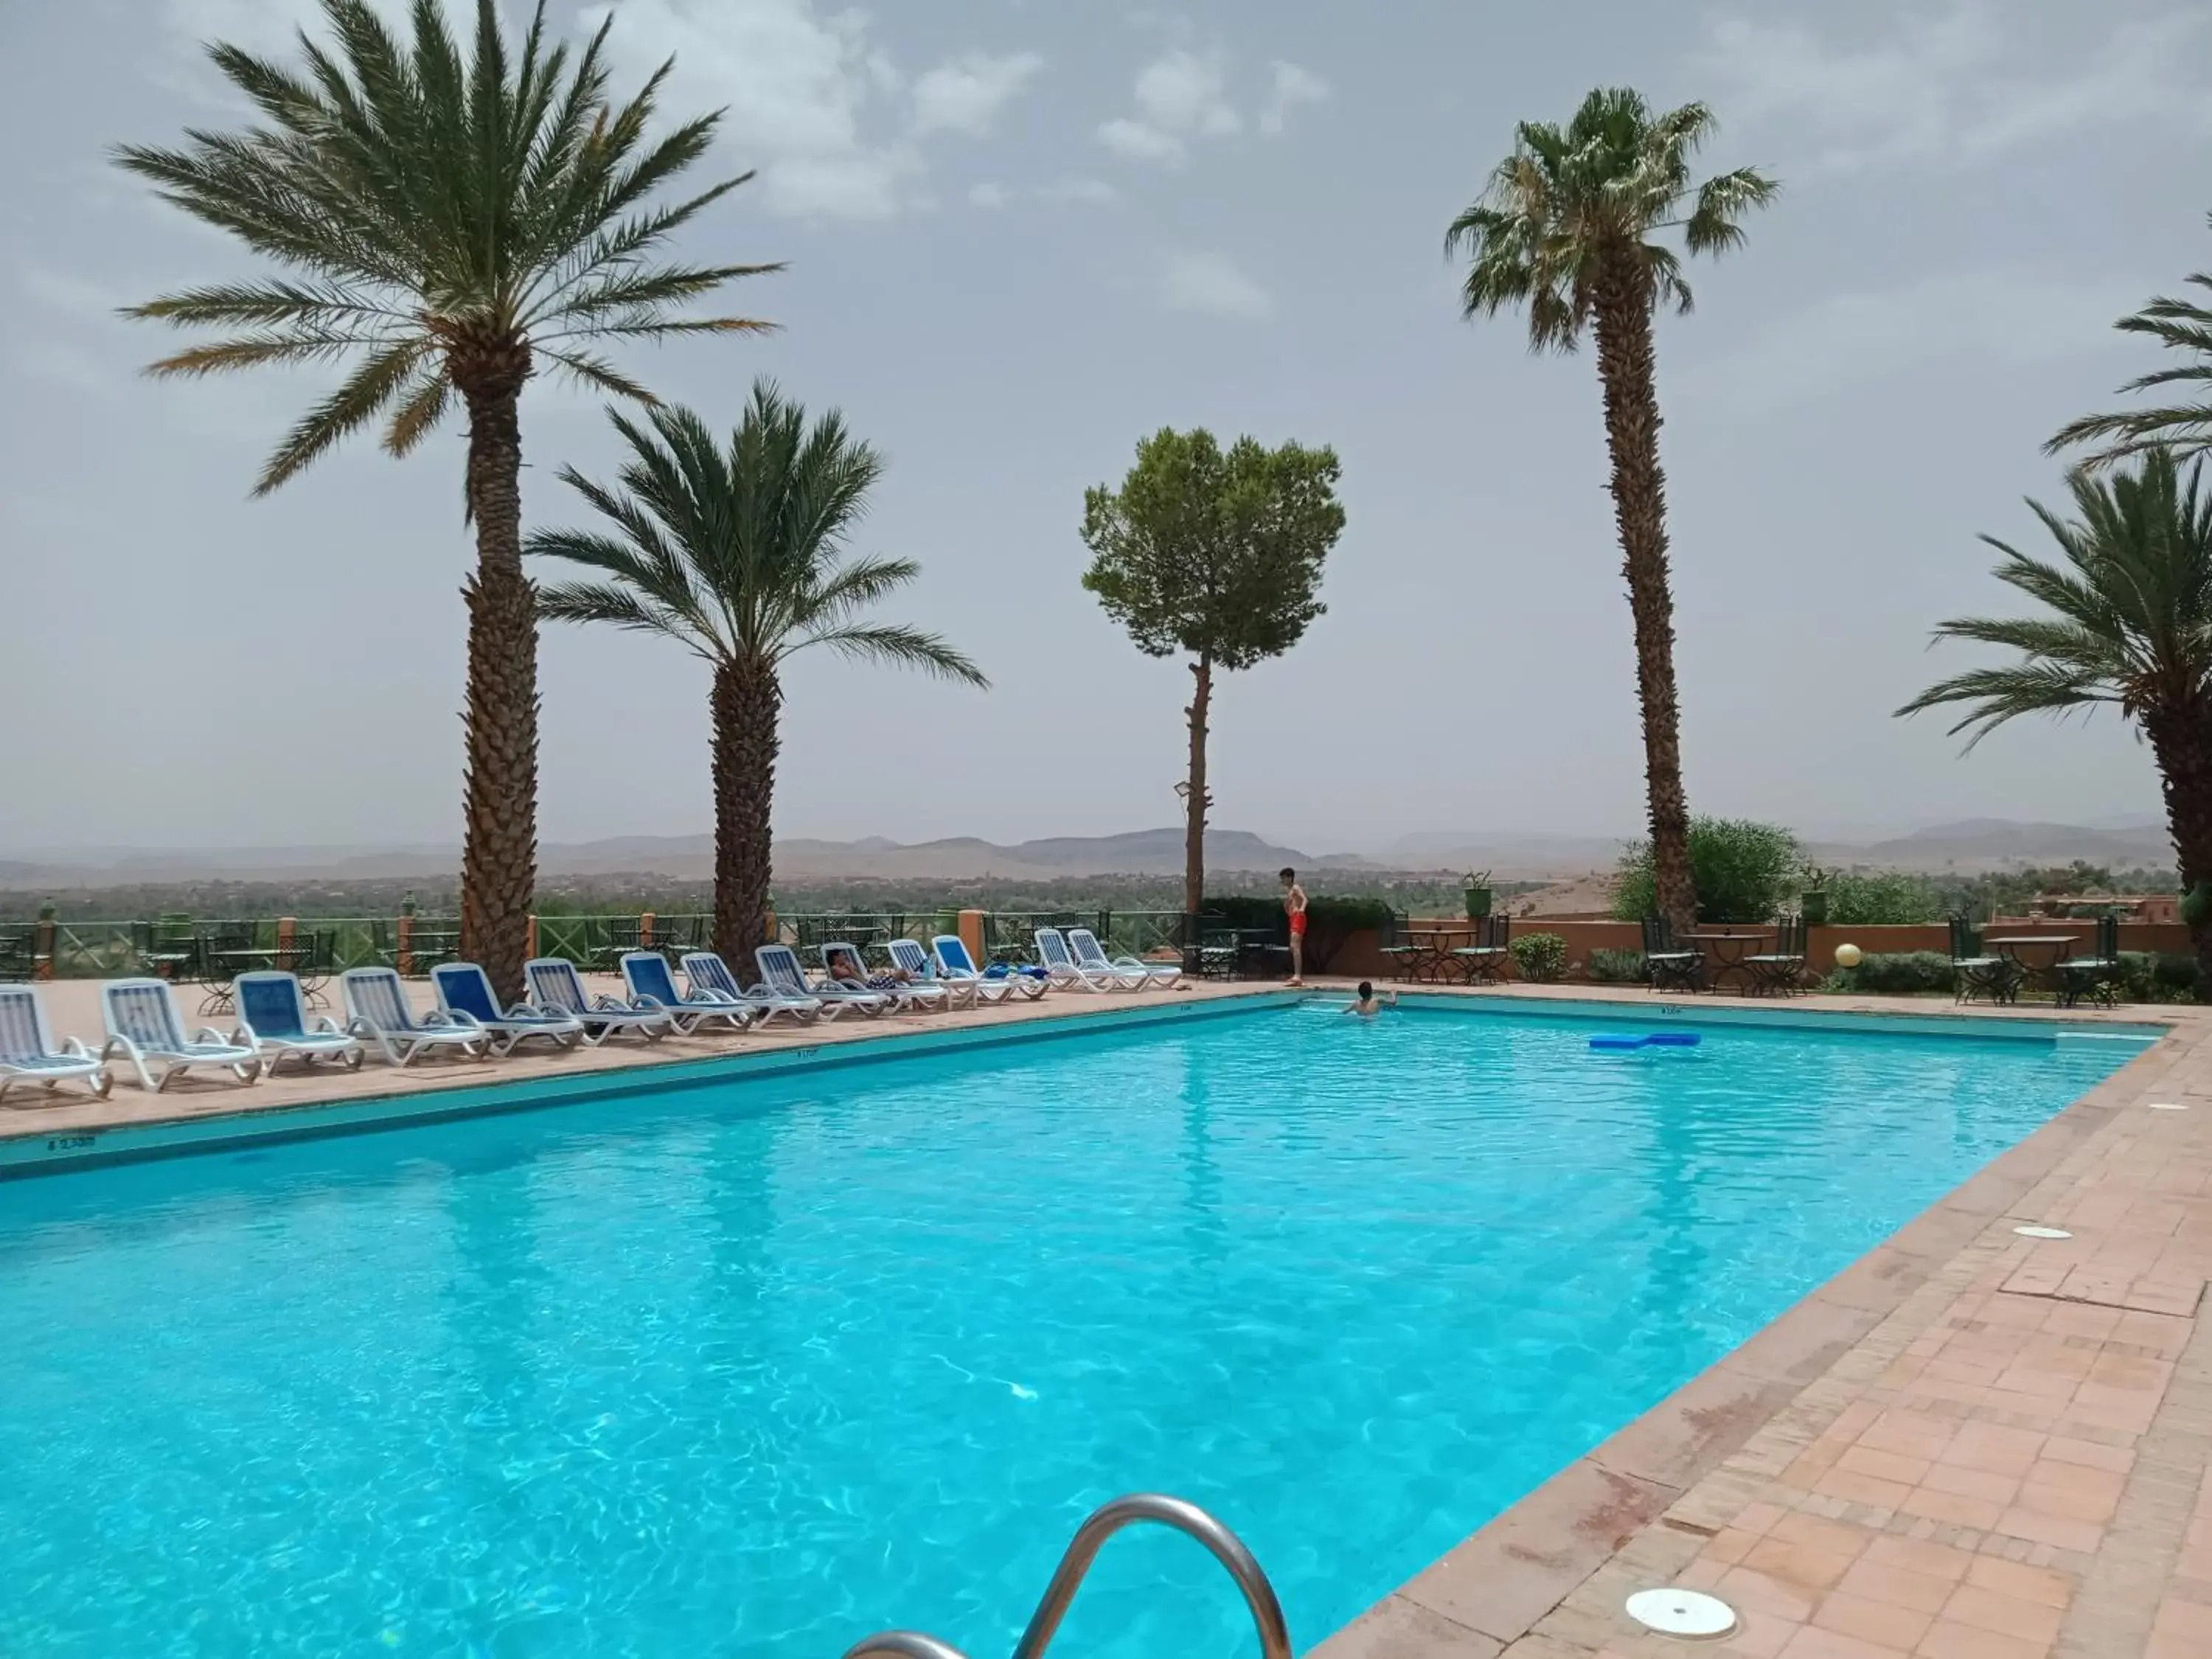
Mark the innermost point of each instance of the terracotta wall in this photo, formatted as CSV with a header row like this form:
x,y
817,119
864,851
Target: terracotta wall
x,y
1361,957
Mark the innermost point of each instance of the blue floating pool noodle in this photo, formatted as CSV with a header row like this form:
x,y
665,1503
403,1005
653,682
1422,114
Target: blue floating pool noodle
x,y
1616,1043
1672,1040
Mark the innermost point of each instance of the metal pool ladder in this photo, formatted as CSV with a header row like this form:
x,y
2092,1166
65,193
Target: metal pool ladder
x,y
1103,1523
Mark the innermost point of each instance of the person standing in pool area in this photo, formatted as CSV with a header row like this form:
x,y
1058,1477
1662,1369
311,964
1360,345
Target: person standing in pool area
x,y
1367,1004
1294,905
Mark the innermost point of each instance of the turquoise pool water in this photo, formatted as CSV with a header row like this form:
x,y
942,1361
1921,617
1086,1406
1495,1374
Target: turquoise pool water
x,y
758,1368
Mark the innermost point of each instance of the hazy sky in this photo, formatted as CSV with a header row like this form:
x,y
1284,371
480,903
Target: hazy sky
x,y
1022,234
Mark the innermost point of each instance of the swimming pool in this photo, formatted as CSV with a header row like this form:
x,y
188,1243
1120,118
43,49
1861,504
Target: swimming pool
x,y
762,1366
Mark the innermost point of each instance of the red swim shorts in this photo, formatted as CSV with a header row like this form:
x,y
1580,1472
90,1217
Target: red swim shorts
x,y
1298,924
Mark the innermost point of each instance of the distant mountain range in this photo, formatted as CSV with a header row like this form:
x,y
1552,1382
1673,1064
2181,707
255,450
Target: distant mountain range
x,y
1972,844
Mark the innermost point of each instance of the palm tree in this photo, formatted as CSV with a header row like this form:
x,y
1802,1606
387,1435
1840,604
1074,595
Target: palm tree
x,y
445,229
2186,429
2128,622
1564,228
738,554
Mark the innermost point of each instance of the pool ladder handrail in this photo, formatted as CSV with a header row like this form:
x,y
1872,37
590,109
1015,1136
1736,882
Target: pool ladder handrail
x,y
1083,1549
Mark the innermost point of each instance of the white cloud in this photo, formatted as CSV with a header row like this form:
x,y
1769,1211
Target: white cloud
x,y
2003,315
1293,86
1095,191
994,196
1946,86
798,87
966,93
1211,283
1181,95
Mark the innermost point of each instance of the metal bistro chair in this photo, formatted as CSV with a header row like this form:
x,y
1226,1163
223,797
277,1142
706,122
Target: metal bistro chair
x,y
1781,970
1666,966
1483,962
1401,954
1977,973
2097,976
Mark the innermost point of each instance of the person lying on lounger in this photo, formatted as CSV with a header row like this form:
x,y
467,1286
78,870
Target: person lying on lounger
x,y
847,967
1367,1004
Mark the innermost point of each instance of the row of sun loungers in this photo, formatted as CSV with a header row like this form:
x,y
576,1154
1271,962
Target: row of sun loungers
x,y
146,1031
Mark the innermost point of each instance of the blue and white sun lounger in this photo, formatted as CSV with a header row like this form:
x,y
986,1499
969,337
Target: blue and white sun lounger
x,y
781,973
377,1008
645,976
27,1054
996,986
144,1025
705,974
843,966
273,1021
463,987
1091,956
910,958
556,987
1064,970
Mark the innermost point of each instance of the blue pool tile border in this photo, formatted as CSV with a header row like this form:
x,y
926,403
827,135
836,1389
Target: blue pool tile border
x,y
67,1152
2017,1028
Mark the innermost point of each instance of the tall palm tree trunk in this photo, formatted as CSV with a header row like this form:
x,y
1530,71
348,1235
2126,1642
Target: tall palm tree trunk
x,y
499,854
2181,742
1639,505
1194,833
747,703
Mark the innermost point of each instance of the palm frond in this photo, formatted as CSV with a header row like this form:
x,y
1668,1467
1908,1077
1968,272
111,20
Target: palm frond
x,y
907,648
366,393
422,193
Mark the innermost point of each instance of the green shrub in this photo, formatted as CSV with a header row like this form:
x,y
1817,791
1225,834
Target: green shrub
x,y
2175,974
1618,966
1896,973
1542,958
1743,870
1885,899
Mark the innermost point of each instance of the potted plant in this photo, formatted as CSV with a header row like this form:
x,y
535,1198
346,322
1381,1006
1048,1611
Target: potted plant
x,y
1478,895
1812,904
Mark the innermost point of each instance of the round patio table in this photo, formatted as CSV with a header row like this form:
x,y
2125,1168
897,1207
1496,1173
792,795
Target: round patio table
x,y
1435,944
1721,959
2044,975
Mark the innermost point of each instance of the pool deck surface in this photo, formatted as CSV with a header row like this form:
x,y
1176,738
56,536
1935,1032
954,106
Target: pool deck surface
x,y
1967,1445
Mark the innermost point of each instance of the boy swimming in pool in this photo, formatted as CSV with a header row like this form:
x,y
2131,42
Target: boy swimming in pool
x,y
1294,903
1367,1004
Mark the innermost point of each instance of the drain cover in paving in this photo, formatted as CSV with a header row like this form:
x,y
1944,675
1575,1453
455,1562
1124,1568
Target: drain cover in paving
x,y
1686,1612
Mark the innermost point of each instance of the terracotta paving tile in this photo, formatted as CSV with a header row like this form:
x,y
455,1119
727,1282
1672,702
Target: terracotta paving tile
x,y
1812,1642
2006,1615
2182,1618
1998,1450
1813,1532
1946,1640
1932,1505
1880,1622
1862,1488
1863,1459
2021,1581
1999,1489
1895,1587
1746,1587
2089,1454
2064,1532
1797,1565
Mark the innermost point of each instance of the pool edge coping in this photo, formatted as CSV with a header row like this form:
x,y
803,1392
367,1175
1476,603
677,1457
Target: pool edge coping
x,y
1485,1595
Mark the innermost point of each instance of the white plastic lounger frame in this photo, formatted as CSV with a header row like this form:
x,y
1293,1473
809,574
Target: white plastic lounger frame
x,y
144,1026
782,973
556,988
274,1022
465,989
377,1008
909,958
906,996
27,1054
705,974
646,977
1052,952
1091,955
958,967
